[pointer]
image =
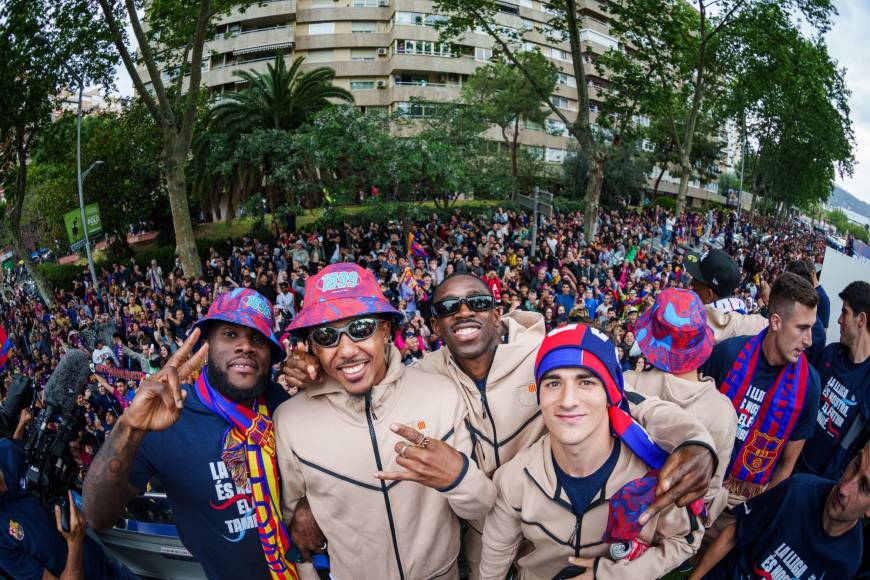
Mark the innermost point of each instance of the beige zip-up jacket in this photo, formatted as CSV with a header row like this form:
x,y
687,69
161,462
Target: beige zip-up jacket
x,y
508,419
505,419
533,506
703,401
330,444
727,325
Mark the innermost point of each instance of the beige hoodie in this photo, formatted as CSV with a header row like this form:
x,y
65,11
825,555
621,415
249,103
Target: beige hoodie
x,y
533,506
330,444
727,325
703,401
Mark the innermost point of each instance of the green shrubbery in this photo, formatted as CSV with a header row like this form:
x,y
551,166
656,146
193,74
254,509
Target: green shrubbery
x,y
666,202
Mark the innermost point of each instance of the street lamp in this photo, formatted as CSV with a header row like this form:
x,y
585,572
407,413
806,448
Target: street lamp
x,y
80,177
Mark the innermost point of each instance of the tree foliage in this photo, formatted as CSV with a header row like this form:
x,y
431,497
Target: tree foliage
x,y
502,95
44,47
795,102
675,67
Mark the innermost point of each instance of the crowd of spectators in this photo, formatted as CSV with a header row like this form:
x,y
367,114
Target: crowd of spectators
x,y
141,314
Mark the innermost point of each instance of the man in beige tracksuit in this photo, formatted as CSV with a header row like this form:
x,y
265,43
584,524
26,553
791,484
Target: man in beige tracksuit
x,y
490,361
715,276
503,413
577,494
674,336
380,451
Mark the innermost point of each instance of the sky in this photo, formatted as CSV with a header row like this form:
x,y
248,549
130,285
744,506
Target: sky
x,y
847,45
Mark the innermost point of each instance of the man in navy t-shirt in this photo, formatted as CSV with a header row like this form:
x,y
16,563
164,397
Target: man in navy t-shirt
x,y
844,369
169,433
805,528
793,303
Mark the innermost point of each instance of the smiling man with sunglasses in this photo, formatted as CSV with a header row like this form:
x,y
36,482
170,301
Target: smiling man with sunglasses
x,y
381,452
490,360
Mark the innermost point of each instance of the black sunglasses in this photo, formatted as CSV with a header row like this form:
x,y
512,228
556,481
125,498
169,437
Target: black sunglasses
x,y
357,330
450,306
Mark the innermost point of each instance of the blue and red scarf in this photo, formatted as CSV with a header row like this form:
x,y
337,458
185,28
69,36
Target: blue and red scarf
x,y
249,454
753,466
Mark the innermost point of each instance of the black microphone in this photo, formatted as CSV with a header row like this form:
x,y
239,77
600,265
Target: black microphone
x,y
68,381
61,390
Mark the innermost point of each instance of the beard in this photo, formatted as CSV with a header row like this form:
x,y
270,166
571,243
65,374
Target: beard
x,y
220,382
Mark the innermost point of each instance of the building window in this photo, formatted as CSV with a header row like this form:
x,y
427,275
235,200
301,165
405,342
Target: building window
x,y
415,109
321,28
363,54
234,29
526,3
567,80
557,127
362,85
364,27
555,155
319,56
560,54
205,63
418,19
365,3
322,3
482,54
424,47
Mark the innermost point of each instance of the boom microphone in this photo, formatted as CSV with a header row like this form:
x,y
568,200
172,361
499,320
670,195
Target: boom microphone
x,y
67,381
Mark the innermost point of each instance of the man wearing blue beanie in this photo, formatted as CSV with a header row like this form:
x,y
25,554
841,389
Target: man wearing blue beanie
x,y
578,495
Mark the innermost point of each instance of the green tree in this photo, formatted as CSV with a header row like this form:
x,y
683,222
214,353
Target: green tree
x,y
675,67
444,156
250,122
563,27
127,186
503,95
43,47
174,41
625,175
795,103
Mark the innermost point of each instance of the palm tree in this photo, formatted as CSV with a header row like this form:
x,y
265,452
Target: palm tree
x,y
281,99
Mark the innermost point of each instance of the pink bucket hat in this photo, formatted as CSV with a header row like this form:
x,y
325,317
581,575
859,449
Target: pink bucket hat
x,y
339,291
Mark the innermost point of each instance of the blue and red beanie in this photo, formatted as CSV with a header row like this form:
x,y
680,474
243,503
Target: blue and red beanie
x,y
582,346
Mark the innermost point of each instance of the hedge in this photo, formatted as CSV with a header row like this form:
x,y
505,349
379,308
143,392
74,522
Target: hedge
x,y
666,202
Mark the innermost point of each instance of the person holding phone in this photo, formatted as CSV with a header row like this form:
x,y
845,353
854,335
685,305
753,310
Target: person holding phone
x,y
33,544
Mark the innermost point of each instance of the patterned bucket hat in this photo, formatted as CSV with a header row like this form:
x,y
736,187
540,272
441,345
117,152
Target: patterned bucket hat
x,y
339,291
673,335
248,308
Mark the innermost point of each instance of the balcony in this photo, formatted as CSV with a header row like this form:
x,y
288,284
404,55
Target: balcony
x,y
344,13
269,8
465,66
251,39
347,40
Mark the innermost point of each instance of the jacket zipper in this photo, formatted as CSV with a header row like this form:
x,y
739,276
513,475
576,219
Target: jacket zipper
x,y
384,491
577,526
488,413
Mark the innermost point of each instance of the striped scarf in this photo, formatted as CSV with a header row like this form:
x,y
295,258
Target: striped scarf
x,y
249,454
771,427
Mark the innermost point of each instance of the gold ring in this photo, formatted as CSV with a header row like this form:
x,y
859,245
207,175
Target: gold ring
x,y
424,443
404,448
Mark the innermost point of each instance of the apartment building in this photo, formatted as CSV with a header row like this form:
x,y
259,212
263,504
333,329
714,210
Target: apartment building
x,y
387,53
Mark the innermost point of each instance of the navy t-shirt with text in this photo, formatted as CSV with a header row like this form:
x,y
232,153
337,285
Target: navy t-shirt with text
x,y
215,518
780,535
719,365
845,390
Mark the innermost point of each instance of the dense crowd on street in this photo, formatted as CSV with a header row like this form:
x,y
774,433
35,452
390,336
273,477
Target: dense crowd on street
x,y
639,264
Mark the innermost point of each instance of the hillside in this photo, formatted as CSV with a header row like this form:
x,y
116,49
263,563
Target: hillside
x,y
842,198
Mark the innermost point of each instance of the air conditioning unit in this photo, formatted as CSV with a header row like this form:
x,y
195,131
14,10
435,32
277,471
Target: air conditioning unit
x,y
382,52
383,3
382,84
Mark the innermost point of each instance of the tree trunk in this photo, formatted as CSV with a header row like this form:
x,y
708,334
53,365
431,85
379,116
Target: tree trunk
x,y
594,181
684,186
659,181
514,146
42,284
174,154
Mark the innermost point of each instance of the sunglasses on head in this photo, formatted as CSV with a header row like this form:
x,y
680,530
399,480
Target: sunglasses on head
x,y
450,306
358,330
